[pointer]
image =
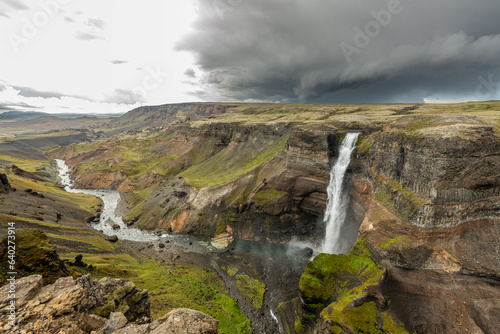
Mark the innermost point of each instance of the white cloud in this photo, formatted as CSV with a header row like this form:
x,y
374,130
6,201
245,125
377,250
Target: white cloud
x,y
11,97
76,51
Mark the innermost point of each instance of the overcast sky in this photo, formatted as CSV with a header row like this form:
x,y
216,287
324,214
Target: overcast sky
x,y
111,56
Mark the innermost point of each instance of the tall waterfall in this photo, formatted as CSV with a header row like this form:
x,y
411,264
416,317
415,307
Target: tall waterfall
x,y
337,203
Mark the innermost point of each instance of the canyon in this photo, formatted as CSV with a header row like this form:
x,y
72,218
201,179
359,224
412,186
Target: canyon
x,y
420,240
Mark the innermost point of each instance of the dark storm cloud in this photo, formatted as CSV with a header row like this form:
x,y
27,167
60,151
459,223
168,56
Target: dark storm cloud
x,y
361,51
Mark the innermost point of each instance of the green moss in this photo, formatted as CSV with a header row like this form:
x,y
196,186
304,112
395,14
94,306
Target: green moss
x,y
389,326
299,327
232,163
335,280
400,201
221,227
363,319
399,241
420,123
34,254
326,278
231,271
324,274
364,144
252,289
104,310
120,293
266,195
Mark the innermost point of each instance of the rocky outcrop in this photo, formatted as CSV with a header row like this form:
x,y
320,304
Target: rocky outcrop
x,y
182,321
69,305
4,183
34,254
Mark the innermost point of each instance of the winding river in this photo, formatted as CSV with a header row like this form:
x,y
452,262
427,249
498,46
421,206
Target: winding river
x,y
109,217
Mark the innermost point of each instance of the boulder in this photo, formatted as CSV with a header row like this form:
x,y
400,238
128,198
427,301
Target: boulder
x,y
186,321
26,289
116,321
4,183
111,238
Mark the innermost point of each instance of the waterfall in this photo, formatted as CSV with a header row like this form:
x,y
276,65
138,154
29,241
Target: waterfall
x,y
275,320
337,203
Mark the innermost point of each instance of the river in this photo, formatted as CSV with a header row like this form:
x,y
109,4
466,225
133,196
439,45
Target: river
x,y
109,217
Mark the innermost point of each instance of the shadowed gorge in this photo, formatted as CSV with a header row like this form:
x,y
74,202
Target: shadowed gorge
x,y
234,198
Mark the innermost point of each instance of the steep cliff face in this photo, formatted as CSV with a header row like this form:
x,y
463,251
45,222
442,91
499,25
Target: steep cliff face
x,y
449,168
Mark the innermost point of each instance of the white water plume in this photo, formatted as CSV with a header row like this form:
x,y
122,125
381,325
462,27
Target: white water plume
x,y
337,198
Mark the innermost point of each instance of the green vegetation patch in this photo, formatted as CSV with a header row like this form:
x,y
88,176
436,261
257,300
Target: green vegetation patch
x,y
400,241
266,195
400,201
175,286
325,275
420,123
231,271
252,289
335,281
29,165
34,254
364,144
232,163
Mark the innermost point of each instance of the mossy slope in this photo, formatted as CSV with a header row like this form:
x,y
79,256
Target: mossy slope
x,y
342,292
33,254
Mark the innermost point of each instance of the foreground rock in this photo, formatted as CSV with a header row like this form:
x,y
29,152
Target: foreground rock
x,y
86,305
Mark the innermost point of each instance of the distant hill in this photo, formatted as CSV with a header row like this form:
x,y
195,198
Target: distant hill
x,y
35,114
